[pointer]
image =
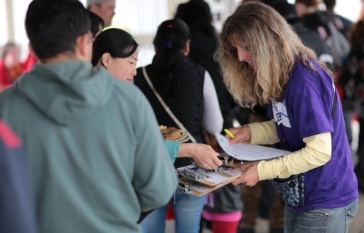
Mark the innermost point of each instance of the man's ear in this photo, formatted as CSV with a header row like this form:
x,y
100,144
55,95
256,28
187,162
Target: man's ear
x,y
30,49
84,45
93,8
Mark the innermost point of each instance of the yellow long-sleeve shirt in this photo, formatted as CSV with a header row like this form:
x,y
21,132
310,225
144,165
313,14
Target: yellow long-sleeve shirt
x,y
317,152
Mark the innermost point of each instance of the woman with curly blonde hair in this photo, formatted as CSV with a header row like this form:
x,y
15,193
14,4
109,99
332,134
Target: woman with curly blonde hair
x,y
274,64
265,63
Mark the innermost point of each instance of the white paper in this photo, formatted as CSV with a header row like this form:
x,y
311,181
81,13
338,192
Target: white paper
x,y
248,152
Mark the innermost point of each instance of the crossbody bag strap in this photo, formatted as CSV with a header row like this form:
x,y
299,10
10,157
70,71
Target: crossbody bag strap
x,y
333,110
165,106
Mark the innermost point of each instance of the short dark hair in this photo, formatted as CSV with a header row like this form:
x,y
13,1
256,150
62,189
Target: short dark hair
x,y
330,4
53,26
287,10
198,16
97,23
115,41
170,40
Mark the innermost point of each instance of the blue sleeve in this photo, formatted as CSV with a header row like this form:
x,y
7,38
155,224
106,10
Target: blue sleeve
x,y
172,147
16,207
154,178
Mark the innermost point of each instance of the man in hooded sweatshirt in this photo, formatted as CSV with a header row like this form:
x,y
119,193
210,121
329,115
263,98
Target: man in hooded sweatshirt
x,y
94,150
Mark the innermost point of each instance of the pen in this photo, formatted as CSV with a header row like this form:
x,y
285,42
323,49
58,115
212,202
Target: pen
x,y
229,133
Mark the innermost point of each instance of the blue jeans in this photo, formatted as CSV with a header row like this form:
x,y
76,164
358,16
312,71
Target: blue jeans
x,y
335,220
187,214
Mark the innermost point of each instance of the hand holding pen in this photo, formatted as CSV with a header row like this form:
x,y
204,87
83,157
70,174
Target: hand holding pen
x,y
242,134
238,135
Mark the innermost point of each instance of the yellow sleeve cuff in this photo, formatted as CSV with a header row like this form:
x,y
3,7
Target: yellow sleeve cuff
x,y
316,153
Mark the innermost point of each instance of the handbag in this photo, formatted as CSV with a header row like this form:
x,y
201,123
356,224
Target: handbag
x,y
165,106
291,190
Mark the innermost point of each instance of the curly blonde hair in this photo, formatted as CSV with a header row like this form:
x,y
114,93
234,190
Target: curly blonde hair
x,y
273,48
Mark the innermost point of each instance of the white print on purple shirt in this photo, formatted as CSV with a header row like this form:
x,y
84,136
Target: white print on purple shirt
x,y
280,113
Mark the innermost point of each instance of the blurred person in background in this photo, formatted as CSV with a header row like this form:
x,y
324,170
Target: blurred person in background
x,y
103,8
353,85
309,36
343,24
188,90
319,21
97,24
203,42
312,17
224,206
11,66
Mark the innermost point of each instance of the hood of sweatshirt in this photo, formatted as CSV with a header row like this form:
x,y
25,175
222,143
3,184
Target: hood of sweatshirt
x,y
66,92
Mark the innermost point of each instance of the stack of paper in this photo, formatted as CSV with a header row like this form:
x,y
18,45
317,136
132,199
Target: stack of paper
x,y
197,181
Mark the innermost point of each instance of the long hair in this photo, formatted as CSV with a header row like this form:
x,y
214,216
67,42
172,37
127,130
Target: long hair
x,y
273,48
97,23
170,40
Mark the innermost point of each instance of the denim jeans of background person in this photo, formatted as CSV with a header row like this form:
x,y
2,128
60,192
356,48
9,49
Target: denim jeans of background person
x,y
187,213
327,220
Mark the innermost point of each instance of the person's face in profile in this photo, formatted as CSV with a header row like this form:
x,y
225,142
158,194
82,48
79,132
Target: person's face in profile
x,y
105,10
12,57
242,52
122,68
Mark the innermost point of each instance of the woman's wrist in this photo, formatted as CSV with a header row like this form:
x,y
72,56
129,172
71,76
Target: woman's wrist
x,y
185,150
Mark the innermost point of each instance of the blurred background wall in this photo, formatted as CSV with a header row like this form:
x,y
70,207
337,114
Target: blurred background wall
x,y
139,17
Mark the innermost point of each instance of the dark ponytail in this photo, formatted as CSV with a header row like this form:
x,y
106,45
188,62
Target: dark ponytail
x,y
171,39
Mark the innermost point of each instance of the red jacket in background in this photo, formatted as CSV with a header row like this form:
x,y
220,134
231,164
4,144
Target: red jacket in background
x,y
8,76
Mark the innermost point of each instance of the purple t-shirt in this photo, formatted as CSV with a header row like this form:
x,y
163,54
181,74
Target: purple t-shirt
x,y
304,112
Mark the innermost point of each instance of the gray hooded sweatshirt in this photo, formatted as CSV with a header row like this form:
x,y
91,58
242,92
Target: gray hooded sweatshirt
x,y
93,147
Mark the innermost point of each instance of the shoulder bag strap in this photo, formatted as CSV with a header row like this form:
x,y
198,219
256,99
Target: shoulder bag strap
x,y
333,110
165,106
